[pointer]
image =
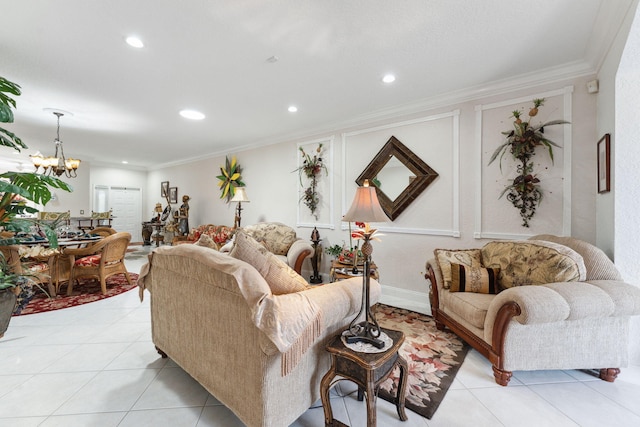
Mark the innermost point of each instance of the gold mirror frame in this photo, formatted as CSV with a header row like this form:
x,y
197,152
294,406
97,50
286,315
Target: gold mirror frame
x,y
424,175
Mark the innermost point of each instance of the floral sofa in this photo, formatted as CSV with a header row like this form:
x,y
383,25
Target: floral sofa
x,y
245,326
545,303
219,234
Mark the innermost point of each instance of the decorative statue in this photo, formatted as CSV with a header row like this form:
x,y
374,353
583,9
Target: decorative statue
x,y
183,216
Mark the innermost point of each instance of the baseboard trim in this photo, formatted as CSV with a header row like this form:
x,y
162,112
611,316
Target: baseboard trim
x,y
403,298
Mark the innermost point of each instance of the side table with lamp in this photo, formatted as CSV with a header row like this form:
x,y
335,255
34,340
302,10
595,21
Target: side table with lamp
x,y
365,353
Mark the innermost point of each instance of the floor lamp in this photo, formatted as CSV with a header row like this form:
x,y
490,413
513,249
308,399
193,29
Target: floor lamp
x,y
365,208
240,196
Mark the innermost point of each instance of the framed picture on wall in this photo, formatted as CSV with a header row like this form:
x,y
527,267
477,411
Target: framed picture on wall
x,y
604,164
173,194
164,188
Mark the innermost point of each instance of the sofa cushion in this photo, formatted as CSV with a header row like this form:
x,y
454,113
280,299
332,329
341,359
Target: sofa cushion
x,y
474,279
533,262
276,237
466,257
281,278
469,306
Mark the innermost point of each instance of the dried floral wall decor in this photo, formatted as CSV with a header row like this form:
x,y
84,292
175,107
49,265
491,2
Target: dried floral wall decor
x,y
525,192
230,177
311,169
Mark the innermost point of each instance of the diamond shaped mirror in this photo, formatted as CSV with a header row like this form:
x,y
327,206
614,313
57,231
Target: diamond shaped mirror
x,y
399,176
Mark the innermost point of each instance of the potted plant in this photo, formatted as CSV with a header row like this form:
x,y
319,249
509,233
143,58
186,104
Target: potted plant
x,y
16,189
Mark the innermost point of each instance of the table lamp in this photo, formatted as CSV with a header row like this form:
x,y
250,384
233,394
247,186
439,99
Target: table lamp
x,y
365,208
239,196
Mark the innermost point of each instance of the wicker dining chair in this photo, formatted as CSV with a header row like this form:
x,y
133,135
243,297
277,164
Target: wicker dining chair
x,y
102,259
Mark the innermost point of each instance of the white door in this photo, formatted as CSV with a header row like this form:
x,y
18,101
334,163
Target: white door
x,y
127,211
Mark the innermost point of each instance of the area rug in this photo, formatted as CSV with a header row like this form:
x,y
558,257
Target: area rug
x,y
86,290
434,357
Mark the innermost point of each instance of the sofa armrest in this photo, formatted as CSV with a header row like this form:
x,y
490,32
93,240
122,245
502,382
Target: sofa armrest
x,y
342,299
298,252
338,303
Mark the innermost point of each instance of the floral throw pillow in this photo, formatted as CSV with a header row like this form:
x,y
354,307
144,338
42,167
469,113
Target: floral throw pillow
x,y
466,257
281,278
207,242
533,262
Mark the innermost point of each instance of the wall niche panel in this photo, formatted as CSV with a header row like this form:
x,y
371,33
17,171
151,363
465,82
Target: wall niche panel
x,y
496,217
434,139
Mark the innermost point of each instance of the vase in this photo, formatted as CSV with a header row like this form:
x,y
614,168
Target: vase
x,y
7,303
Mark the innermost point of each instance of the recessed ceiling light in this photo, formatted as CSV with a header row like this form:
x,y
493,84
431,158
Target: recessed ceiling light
x,y
134,42
192,114
389,78
292,109
124,162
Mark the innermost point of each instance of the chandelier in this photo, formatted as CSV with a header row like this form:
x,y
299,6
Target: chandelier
x,y
57,164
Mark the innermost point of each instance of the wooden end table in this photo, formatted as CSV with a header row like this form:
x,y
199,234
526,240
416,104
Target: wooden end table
x,y
368,371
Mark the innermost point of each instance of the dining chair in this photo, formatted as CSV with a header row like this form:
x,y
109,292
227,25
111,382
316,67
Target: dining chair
x,y
102,260
103,231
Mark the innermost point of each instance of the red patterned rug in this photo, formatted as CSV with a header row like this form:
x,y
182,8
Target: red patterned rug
x,y
86,290
433,356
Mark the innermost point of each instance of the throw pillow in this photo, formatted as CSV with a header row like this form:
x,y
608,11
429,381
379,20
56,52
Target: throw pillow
x,y
533,262
474,279
468,257
207,242
281,278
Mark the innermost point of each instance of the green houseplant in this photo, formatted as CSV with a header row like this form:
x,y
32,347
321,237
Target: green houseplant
x,y
16,189
521,142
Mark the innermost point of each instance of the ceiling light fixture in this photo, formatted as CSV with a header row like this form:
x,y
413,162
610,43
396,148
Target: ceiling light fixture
x,y
58,164
292,109
192,114
134,42
389,78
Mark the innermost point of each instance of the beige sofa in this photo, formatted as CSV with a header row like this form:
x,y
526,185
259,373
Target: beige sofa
x,y
282,241
260,354
561,304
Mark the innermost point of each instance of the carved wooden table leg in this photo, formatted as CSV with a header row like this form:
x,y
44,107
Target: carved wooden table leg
x,y
324,393
402,388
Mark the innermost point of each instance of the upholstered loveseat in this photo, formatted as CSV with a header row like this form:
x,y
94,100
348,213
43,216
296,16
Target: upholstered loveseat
x,y
255,345
560,304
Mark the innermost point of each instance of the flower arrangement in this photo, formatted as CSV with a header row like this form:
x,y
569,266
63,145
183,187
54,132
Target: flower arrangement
x,y
524,191
311,168
230,177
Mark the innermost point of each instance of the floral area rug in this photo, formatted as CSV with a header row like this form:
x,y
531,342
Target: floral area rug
x,y
86,290
433,356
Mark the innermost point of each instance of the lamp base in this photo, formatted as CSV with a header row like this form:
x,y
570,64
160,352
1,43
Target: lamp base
x,y
362,332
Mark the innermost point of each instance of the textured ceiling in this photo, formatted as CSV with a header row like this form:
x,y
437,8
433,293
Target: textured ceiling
x,y
212,56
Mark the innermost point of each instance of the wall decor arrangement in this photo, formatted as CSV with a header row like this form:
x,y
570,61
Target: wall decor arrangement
x,y
311,169
524,191
604,164
230,177
164,189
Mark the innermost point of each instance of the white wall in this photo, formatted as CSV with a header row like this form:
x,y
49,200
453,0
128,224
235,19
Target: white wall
x,y
430,222
624,202
76,200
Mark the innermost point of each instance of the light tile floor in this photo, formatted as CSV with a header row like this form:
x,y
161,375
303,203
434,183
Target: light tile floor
x,y
95,365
